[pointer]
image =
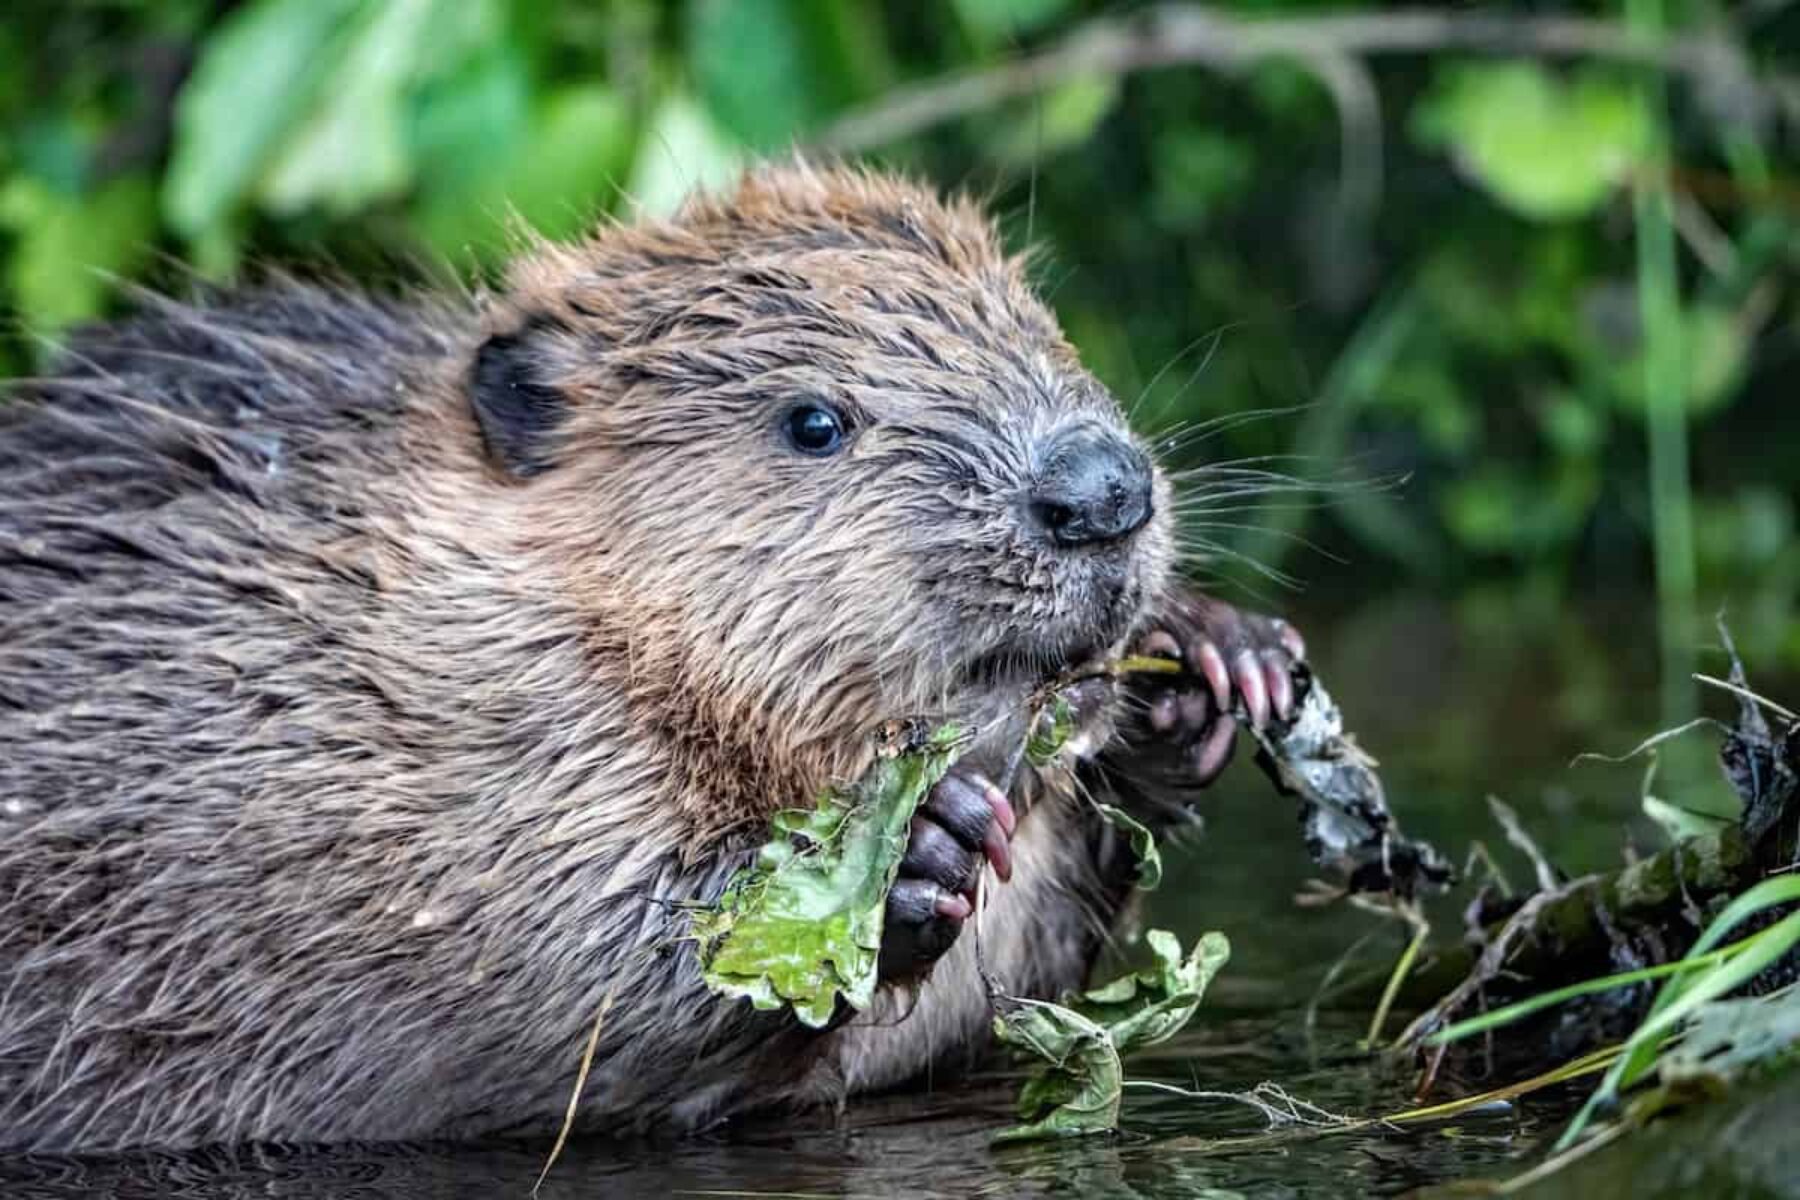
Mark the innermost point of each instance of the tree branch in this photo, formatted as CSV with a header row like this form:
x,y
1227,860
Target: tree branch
x,y
1194,35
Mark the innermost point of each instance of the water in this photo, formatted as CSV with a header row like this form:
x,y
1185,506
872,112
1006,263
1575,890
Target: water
x,y
1456,705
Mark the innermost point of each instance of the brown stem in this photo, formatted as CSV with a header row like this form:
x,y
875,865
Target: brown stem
x,y
1173,35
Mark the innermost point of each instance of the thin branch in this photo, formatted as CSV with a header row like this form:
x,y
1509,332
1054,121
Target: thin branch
x,y
1174,35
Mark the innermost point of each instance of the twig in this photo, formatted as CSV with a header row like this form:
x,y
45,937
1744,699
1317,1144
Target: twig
x,y
587,1062
1523,842
1745,693
1279,1108
1195,35
1648,744
1492,961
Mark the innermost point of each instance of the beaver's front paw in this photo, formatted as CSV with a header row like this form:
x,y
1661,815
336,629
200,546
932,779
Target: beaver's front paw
x,y
1227,656
964,821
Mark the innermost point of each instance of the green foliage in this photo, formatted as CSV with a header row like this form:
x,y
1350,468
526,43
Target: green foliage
x,y
1479,331
1076,1084
802,925
1143,845
1725,1037
1547,149
65,246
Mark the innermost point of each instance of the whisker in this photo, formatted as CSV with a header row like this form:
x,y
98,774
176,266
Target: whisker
x,y
1196,547
1281,534
1213,427
1214,337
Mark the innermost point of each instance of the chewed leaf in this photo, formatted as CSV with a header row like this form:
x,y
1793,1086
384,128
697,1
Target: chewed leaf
x,y
1050,731
1155,1004
802,925
1143,844
1076,1089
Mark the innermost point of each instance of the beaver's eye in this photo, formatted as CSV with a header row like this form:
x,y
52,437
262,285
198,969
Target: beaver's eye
x,y
814,429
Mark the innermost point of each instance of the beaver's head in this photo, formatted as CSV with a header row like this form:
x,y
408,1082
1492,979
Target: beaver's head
x,y
822,445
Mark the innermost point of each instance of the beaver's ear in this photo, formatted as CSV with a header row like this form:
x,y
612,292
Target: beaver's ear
x,y
518,411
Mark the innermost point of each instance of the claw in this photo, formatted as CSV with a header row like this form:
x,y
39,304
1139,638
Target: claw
x,y
1003,809
1212,667
1253,687
1281,687
998,852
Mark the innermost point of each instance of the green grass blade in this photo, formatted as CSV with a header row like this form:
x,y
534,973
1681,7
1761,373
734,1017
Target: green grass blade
x,y
1587,987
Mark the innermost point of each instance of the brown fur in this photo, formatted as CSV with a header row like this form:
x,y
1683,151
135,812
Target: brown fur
x,y
345,774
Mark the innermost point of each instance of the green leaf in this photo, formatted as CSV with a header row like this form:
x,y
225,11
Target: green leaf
x,y
353,149
555,168
1050,731
1076,1089
751,67
256,78
306,103
470,123
1680,823
1157,1002
1143,844
1061,119
997,22
577,155
802,926
65,246
1715,351
1545,148
681,151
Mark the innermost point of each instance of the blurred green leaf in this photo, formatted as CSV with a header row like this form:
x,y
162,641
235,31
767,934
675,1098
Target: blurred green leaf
x,y
1714,351
681,151
995,22
1572,424
1505,508
772,71
1197,171
353,149
579,151
468,125
257,76
1062,118
54,150
555,175
1545,148
750,64
305,103
66,245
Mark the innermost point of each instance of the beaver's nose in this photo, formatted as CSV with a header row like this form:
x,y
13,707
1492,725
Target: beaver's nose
x,y
1093,486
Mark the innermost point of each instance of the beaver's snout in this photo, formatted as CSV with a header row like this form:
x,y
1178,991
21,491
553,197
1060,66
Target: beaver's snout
x,y
1093,487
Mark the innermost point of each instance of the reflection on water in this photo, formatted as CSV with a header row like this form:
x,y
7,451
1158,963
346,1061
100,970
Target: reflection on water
x,y
1453,713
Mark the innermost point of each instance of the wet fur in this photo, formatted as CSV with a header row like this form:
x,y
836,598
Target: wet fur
x,y
346,771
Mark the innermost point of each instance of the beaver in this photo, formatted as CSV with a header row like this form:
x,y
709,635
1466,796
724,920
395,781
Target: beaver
x,y
380,676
